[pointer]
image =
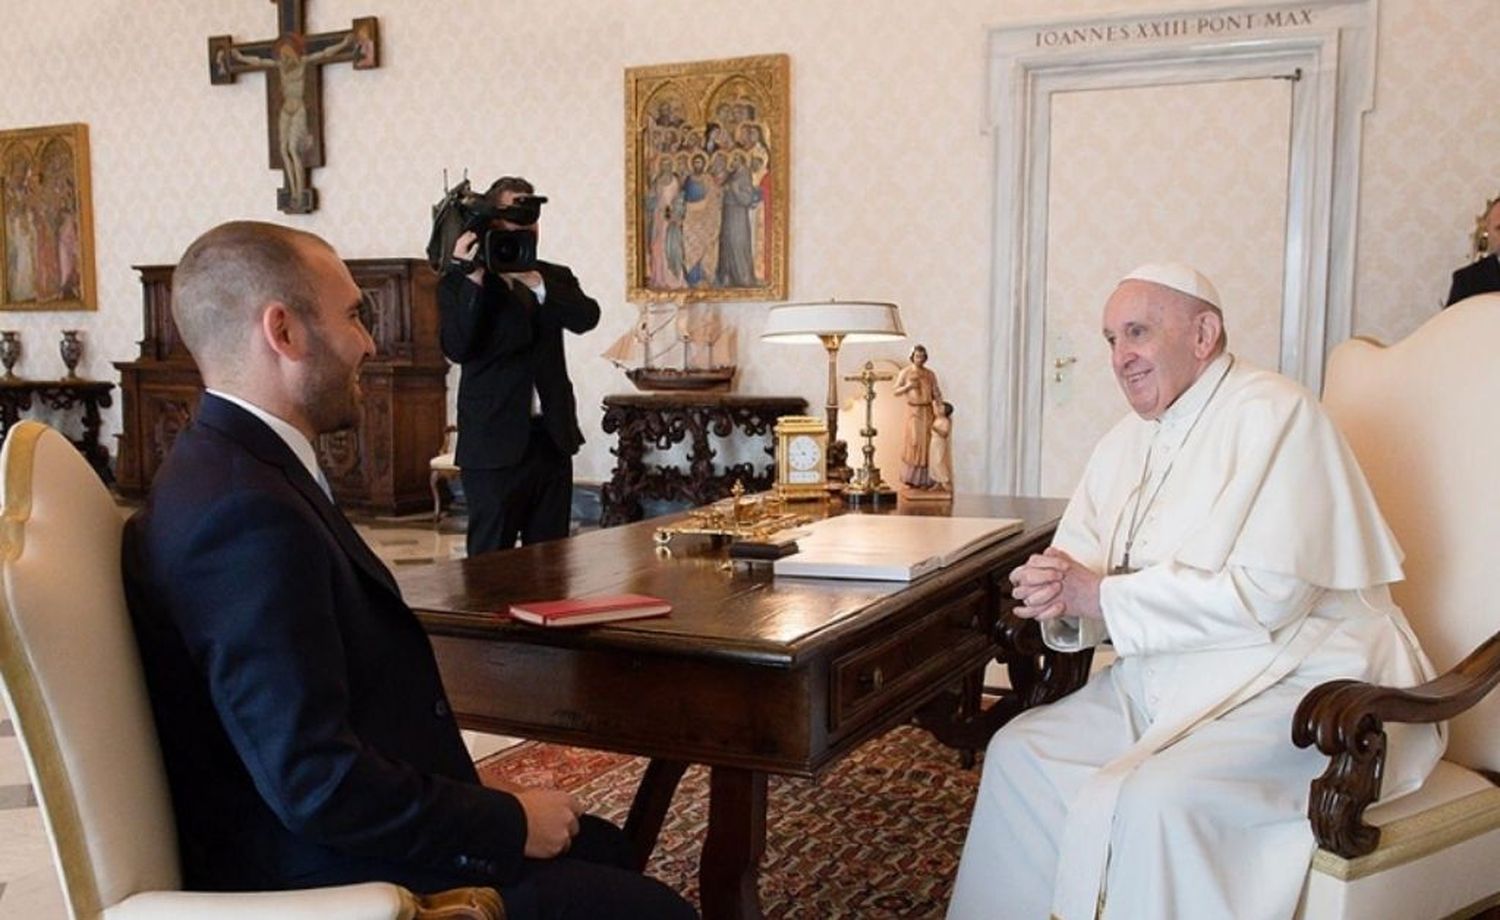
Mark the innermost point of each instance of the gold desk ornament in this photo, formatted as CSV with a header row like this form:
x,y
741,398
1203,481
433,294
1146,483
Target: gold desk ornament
x,y
867,484
757,517
802,458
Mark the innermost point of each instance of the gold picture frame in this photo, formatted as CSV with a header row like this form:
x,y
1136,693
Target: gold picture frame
x,y
46,220
707,179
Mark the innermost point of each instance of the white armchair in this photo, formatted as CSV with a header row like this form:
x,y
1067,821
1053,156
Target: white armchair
x,y
72,676
1423,417
443,469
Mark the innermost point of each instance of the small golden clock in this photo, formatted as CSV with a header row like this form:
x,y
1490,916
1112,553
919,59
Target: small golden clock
x,y
801,457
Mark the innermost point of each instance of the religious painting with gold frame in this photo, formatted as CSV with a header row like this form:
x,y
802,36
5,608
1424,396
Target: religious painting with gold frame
x,y
46,220
707,179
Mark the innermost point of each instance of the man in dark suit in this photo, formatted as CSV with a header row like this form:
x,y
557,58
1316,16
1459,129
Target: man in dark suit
x,y
306,734
517,419
1482,276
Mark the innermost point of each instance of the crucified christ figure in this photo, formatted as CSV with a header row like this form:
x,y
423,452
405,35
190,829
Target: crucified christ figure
x,y
289,59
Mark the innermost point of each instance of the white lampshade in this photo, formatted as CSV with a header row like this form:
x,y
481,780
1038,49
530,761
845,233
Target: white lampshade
x,y
854,321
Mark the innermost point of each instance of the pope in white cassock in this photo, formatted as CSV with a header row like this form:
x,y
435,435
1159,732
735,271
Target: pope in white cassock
x,y
1225,542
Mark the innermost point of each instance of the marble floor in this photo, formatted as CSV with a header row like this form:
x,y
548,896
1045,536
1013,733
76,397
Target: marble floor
x,y
28,882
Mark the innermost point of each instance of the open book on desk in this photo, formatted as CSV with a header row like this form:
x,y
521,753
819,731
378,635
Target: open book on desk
x,y
889,547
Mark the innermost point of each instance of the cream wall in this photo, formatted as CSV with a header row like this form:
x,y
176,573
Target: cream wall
x,y
890,162
1235,159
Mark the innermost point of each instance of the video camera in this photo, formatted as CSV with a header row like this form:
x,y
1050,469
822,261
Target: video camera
x,y
500,251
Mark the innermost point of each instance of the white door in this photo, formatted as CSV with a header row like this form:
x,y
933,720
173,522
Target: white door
x,y
1194,173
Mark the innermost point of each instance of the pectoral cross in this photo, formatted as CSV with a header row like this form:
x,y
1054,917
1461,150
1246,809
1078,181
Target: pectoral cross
x,y
1124,568
294,89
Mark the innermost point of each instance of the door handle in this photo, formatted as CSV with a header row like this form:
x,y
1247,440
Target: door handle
x,y
1061,364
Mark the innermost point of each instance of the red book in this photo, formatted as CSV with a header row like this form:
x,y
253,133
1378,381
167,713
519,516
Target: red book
x,y
600,608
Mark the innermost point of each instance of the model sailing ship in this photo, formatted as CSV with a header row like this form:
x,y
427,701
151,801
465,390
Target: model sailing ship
x,y
676,345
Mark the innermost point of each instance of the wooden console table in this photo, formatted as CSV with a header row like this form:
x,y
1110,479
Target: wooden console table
x,y
656,421
18,396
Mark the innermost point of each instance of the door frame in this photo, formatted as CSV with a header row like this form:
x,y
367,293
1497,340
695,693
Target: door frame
x,y
1326,49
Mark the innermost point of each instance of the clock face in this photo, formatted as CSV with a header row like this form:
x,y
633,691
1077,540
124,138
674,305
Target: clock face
x,y
803,453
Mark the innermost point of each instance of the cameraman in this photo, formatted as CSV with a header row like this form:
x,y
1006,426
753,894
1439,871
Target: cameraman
x,y
517,420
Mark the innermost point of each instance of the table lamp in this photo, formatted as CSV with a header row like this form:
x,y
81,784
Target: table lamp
x,y
830,324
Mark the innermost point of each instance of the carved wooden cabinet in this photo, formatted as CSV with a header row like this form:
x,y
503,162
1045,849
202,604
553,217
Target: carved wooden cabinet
x,y
381,466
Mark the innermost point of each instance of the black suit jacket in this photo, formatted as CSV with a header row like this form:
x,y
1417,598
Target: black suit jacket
x,y
306,734
1481,277
508,344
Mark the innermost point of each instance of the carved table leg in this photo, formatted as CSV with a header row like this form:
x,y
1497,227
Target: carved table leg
x,y
1038,675
729,874
649,809
700,460
13,403
955,718
619,499
96,454
970,706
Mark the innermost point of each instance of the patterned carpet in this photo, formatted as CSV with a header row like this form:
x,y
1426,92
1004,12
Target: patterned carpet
x,y
877,836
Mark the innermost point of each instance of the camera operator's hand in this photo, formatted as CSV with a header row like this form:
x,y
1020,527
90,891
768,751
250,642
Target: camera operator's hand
x,y
466,247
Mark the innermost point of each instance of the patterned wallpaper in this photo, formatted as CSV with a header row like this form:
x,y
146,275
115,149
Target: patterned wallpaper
x,y
1432,158
891,165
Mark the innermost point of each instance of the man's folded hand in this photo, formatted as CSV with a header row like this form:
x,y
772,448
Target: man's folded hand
x,y
551,821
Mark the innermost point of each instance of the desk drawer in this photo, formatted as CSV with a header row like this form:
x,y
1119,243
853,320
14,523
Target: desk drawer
x,y
884,670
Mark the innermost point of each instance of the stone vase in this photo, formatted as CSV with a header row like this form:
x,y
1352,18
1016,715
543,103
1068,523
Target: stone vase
x,y
72,352
10,352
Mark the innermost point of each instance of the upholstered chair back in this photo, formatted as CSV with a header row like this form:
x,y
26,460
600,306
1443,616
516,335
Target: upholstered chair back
x,y
73,677
1423,417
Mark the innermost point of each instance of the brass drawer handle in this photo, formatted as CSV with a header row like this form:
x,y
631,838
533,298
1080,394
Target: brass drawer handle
x,y
873,679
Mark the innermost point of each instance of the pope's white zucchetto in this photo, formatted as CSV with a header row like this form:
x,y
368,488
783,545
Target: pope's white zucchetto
x,y
1178,277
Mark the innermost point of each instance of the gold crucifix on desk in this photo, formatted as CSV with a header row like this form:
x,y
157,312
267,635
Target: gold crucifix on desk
x,y
866,485
294,89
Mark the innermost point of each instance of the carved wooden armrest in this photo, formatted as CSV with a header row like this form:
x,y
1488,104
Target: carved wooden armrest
x,y
1039,674
460,904
1346,720
340,902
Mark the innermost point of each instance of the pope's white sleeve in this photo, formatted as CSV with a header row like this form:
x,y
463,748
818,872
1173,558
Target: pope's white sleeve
x,y
1073,634
1171,607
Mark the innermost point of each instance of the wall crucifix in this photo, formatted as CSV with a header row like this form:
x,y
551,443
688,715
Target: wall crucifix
x,y
292,63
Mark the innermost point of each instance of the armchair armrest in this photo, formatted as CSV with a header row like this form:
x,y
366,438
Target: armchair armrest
x,y
369,901
1346,720
1039,674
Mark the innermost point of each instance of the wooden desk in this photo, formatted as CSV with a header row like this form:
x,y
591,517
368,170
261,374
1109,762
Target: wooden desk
x,y
17,397
750,675
646,422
